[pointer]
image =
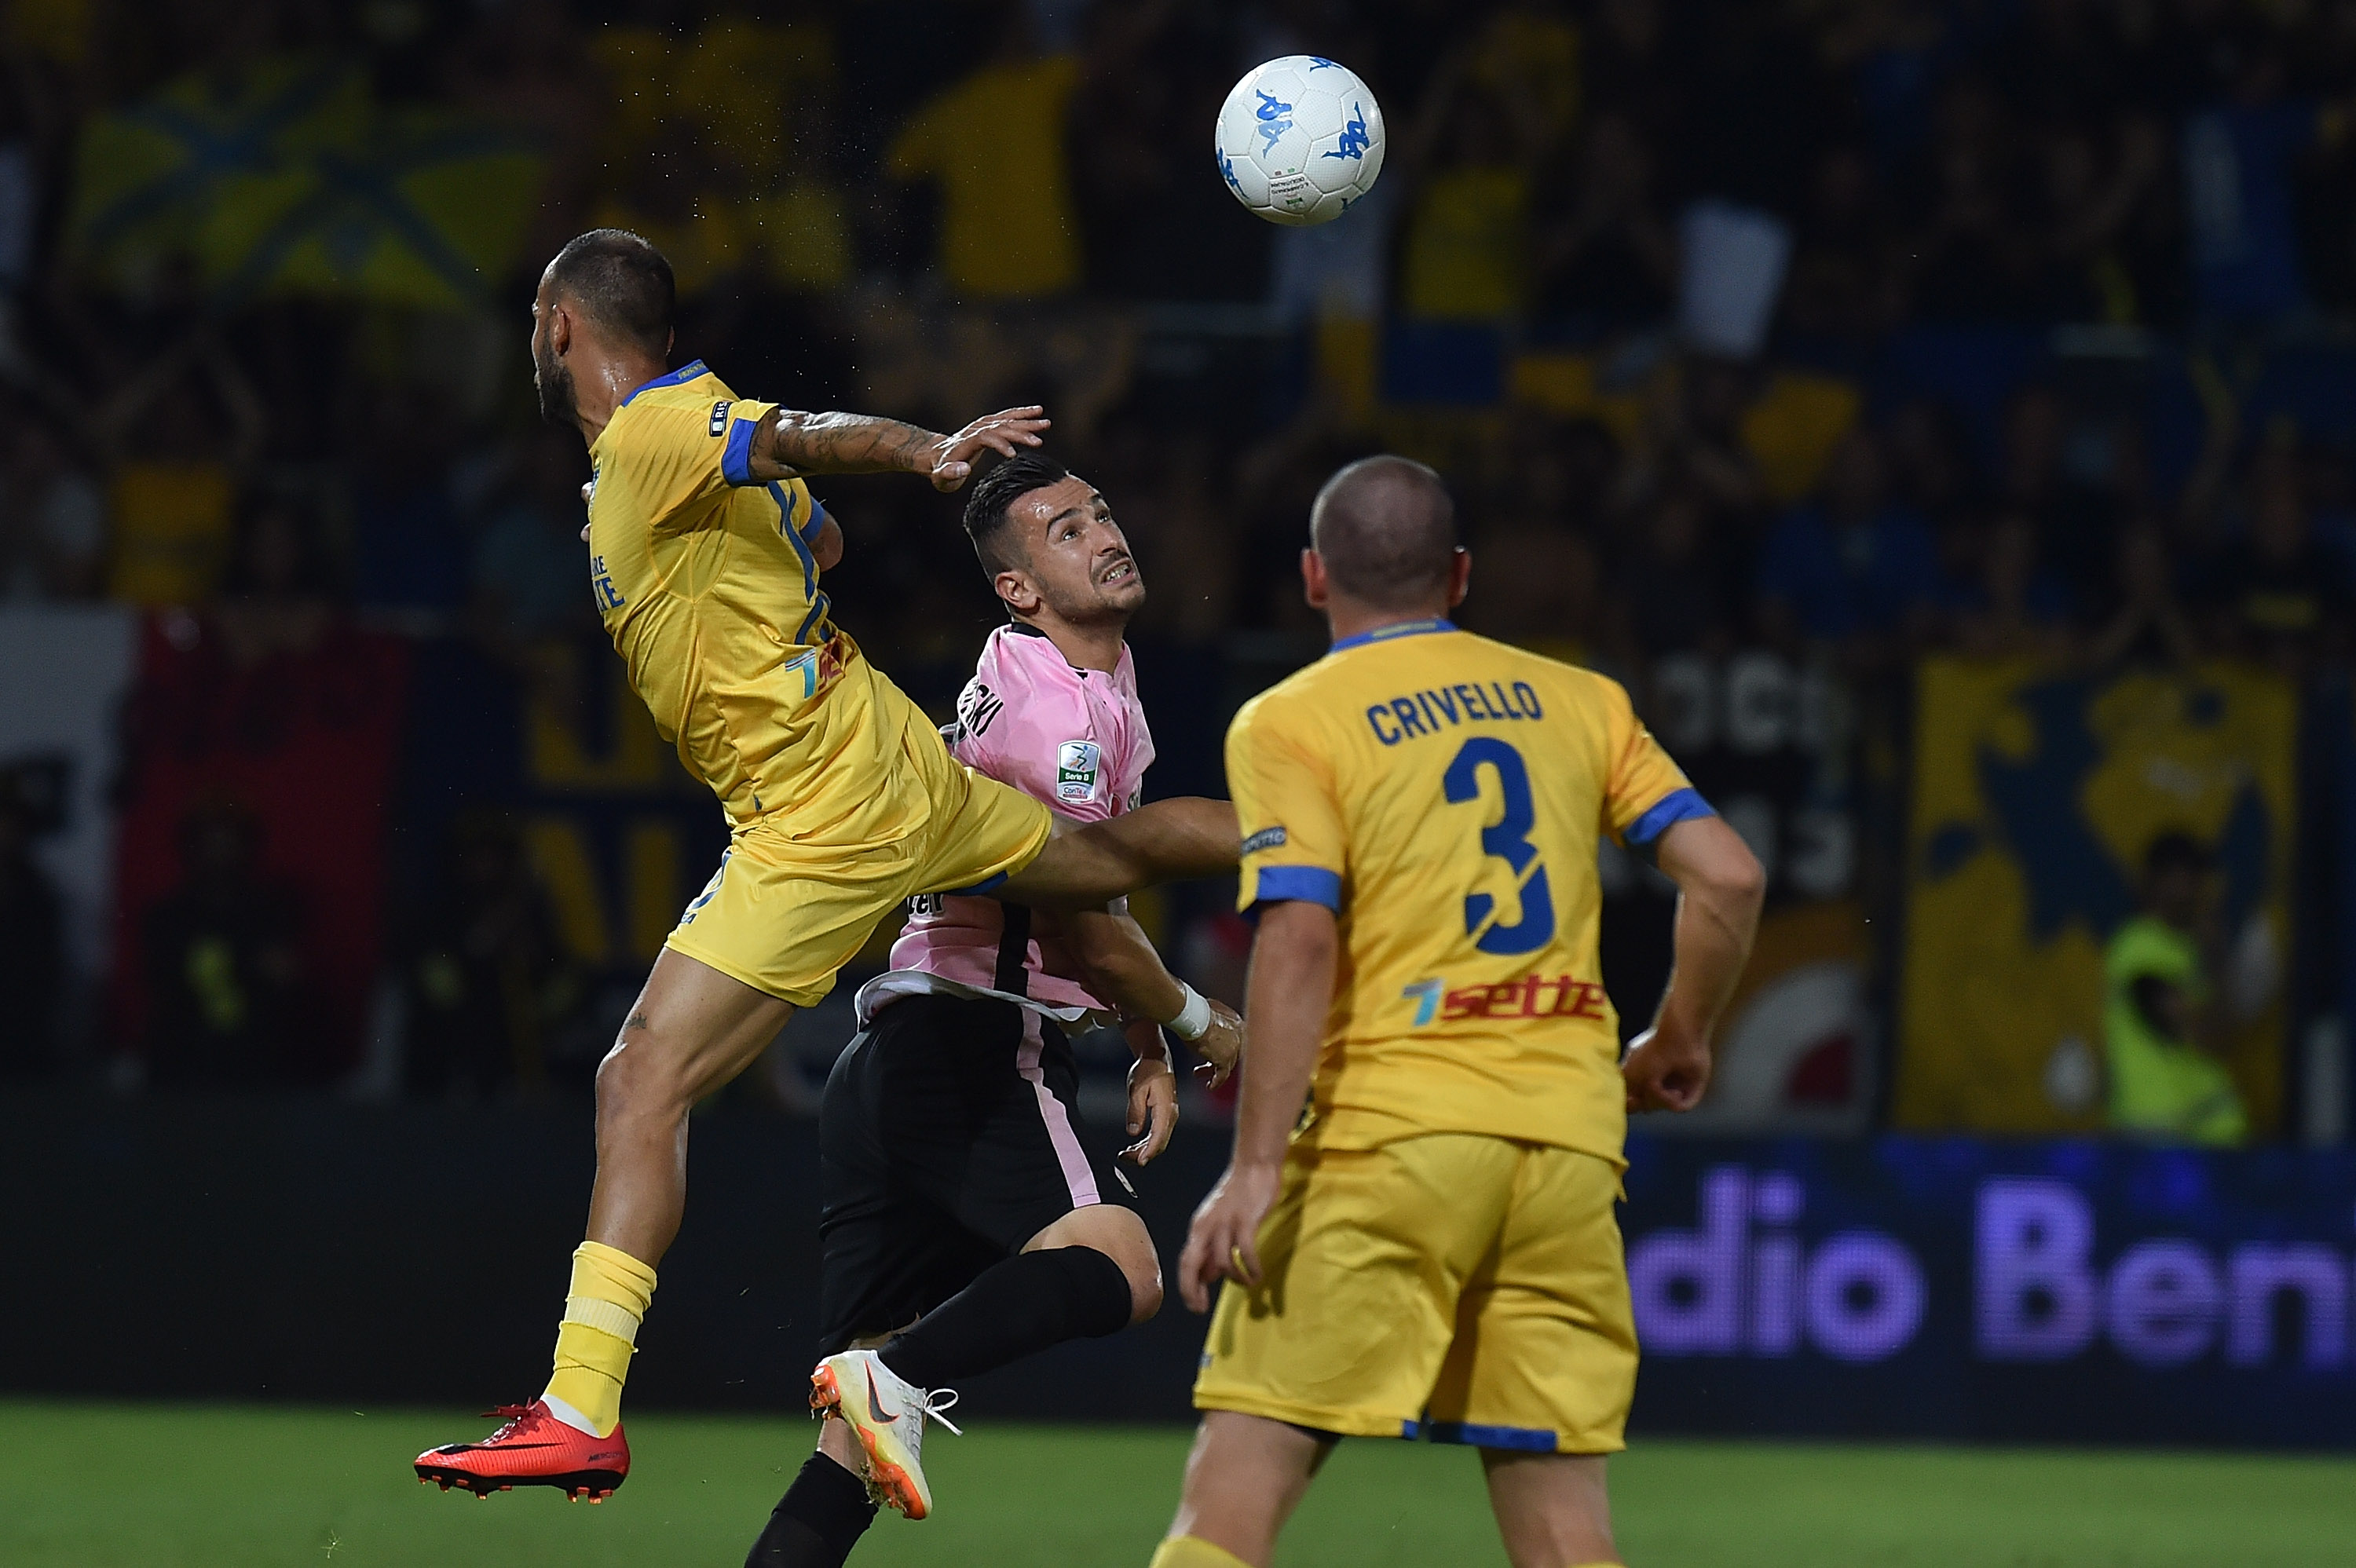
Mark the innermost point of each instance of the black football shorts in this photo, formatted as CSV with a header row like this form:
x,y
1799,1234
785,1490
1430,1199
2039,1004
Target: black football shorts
x,y
948,1136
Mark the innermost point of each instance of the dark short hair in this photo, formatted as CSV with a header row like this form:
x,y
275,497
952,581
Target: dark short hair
x,y
622,282
990,502
2175,852
1387,531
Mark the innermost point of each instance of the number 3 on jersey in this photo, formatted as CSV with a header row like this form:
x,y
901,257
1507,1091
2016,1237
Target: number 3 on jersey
x,y
1509,840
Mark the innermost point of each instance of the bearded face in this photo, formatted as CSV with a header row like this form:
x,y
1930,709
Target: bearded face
x,y
1075,556
551,377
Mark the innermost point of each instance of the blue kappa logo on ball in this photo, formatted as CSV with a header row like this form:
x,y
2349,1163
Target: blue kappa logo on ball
x,y
1273,121
1354,140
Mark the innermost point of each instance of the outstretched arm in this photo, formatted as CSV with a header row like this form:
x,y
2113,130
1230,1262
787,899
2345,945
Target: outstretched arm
x,y
1161,841
1121,965
1720,888
789,443
1292,966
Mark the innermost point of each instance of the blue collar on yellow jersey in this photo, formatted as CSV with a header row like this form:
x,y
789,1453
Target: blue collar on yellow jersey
x,y
687,372
1397,629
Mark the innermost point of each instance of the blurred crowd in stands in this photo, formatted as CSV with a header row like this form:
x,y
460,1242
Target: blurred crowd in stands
x,y
2031,258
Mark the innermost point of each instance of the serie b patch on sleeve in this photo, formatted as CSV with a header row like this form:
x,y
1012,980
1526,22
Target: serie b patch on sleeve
x,y
1077,766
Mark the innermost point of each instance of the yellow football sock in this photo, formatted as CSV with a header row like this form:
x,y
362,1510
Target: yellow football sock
x,y
1194,1551
600,1332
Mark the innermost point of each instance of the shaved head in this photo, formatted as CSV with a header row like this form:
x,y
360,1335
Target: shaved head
x,y
615,285
622,282
1386,532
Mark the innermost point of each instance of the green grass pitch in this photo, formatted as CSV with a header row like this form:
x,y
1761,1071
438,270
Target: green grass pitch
x,y
98,1486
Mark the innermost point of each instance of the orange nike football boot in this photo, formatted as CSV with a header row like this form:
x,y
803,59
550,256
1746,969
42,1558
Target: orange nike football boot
x,y
533,1448
888,1413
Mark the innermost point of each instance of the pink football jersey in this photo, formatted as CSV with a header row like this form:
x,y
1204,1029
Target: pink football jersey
x,y
1075,739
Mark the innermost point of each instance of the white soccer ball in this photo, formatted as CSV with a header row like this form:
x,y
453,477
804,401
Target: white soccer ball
x,y
1299,140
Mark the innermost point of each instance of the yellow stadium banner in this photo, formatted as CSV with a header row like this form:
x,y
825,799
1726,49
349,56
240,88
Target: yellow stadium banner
x,y
2036,793
289,178
160,178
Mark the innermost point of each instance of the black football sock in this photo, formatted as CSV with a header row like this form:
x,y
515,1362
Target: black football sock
x,y
817,1521
1026,1304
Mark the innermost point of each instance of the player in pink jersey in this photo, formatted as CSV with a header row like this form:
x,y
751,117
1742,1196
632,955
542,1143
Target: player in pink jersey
x,y
956,1194
1073,737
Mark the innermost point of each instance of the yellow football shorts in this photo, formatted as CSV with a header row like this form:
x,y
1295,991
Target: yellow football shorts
x,y
784,914
1453,1286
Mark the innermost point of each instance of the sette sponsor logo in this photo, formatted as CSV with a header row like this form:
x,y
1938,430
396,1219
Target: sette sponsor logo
x,y
719,418
820,669
1075,770
601,584
1531,997
1266,838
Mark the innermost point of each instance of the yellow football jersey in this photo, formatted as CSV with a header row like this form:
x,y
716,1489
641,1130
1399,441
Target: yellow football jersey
x,y
1443,793
705,580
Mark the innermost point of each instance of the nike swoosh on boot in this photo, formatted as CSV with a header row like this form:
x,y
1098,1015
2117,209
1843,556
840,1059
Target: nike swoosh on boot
x,y
875,1405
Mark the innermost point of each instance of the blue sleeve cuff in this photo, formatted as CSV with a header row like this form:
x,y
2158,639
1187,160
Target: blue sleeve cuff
x,y
818,521
1309,884
736,457
1673,807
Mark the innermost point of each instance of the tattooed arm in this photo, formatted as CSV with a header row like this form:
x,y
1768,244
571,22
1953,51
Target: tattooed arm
x,y
789,443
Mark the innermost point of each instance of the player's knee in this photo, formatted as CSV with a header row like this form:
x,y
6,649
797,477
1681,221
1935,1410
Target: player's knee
x,y
1144,1288
1108,1233
636,1079
1130,1247
1141,1267
1140,1272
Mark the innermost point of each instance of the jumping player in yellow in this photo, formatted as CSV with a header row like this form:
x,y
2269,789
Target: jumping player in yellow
x,y
704,553
1430,1251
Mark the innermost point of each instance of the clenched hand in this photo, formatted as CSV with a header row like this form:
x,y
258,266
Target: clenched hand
x,y
1221,1047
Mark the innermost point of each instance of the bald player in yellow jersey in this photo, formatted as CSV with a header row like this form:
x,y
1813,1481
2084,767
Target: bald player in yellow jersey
x,y
704,554
1430,1250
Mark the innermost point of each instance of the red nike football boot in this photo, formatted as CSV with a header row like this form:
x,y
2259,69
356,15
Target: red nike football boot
x,y
532,1449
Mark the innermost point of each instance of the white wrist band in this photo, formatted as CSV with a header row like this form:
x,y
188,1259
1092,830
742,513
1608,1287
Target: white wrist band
x,y
1194,1019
